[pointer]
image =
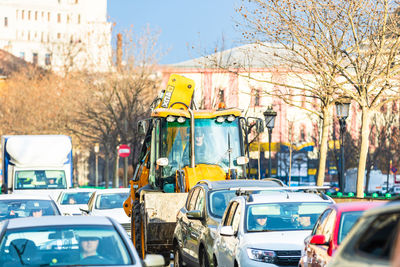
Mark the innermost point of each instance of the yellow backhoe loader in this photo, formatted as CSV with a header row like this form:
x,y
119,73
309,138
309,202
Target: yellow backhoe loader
x,y
181,146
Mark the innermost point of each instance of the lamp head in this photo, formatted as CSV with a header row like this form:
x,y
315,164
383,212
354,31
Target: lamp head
x,y
270,115
342,109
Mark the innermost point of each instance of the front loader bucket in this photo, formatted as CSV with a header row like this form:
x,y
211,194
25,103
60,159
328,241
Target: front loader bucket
x,y
160,210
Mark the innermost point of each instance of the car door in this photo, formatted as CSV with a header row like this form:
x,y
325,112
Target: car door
x,y
227,243
317,254
196,226
186,223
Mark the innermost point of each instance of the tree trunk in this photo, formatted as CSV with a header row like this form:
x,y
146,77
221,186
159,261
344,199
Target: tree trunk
x,y
107,169
365,130
324,145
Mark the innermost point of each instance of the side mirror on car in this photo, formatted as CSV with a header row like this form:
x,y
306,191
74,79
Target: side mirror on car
x,y
318,240
84,212
195,214
154,260
227,231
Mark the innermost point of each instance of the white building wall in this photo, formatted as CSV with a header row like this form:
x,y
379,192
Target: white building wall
x,y
77,28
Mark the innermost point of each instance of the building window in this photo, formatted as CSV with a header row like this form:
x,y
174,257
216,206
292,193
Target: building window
x,y
67,19
41,37
22,14
255,100
29,35
22,55
36,15
59,18
16,14
42,15
48,16
5,22
35,58
47,59
29,15
58,35
79,19
76,1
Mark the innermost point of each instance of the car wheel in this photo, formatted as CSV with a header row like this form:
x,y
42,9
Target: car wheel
x,y
177,257
204,259
136,224
215,262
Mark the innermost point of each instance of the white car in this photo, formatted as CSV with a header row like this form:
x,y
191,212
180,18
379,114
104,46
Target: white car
x,y
70,201
266,229
24,205
109,202
59,241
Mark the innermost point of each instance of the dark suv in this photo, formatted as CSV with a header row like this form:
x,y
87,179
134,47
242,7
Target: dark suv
x,y
197,221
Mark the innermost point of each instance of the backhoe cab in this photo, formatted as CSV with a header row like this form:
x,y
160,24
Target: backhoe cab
x,y
181,147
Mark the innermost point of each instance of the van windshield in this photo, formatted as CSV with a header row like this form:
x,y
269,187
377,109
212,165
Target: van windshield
x,y
40,179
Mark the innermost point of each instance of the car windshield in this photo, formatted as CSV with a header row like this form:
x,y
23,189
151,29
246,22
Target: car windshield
x,y
66,245
75,198
347,221
283,216
111,201
40,179
218,200
215,143
15,208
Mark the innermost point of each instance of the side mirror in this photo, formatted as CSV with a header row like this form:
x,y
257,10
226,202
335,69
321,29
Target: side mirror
x,y
260,126
227,231
142,127
318,240
84,211
194,214
153,260
162,162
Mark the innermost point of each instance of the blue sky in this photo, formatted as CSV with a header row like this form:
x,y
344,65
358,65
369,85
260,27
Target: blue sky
x,y
182,24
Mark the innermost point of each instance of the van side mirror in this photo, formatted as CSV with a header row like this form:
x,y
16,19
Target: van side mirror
x,y
195,214
227,231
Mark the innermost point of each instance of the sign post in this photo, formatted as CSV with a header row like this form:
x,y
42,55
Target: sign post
x,y
124,151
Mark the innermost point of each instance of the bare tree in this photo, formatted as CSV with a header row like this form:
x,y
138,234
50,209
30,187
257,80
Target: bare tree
x,y
349,47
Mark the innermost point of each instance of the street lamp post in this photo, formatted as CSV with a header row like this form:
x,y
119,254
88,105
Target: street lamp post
x,y
269,115
96,152
342,112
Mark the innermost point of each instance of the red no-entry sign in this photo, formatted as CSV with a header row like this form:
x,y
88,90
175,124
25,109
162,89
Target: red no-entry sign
x,y
124,151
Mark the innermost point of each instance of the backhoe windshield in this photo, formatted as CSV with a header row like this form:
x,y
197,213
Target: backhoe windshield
x,y
215,143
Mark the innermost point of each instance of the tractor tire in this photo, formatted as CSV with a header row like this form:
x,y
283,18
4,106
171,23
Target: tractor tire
x,y
136,225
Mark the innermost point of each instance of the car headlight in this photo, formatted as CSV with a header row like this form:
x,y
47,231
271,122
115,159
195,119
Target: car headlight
x,y
261,255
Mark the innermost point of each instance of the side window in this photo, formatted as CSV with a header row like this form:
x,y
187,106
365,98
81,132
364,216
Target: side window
x,y
321,222
229,215
193,199
378,239
154,153
329,225
200,200
236,219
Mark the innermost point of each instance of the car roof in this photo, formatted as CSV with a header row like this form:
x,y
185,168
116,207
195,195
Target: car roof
x,y
112,190
25,196
391,206
78,189
286,196
227,184
57,221
357,205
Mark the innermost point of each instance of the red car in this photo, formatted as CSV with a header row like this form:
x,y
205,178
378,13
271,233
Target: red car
x,y
329,231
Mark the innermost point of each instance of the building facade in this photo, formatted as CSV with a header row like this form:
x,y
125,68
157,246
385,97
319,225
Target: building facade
x,y
61,35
